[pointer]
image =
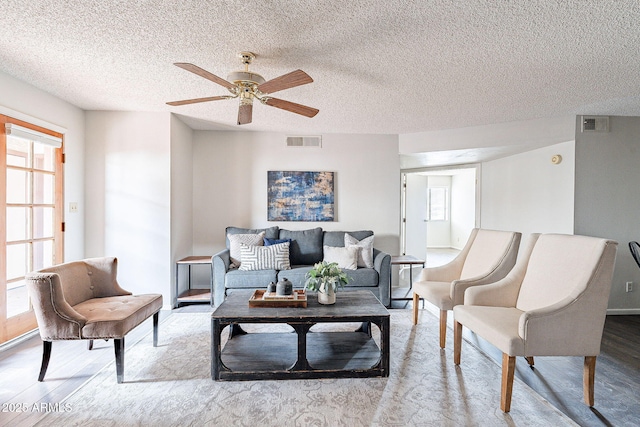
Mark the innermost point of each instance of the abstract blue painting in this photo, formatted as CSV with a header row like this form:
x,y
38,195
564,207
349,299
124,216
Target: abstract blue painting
x,y
300,196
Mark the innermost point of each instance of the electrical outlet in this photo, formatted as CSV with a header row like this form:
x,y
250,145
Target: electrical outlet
x,y
629,287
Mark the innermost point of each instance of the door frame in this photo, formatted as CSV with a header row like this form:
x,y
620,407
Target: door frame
x,y
22,323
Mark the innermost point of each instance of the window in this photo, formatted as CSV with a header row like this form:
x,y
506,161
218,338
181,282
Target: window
x,y
437,204
32,203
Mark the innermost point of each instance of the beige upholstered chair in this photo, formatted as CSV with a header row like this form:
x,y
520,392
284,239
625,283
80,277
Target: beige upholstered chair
x,y
82,300
487,257
553,303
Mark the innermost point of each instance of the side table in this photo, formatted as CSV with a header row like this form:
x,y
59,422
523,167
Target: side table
x,y
409,260
193,295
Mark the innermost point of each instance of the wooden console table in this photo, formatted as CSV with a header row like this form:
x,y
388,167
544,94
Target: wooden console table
x,y
193,295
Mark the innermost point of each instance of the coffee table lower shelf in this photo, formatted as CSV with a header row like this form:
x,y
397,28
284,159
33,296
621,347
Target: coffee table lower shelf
x,y
263,356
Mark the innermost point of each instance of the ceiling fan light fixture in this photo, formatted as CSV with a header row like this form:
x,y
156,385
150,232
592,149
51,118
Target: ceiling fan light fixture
x,y
247,86
241,77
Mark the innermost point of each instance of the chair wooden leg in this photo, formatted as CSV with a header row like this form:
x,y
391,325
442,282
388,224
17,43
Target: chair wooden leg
x,y
46,355
457,342
118,345
416,300
508,372
443,328
155,329
90,345
529,360
588,377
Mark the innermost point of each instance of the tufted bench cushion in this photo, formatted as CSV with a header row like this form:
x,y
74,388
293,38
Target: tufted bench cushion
x,y
114,317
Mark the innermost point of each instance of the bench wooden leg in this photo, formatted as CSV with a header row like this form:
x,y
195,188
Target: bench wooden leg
x,y
588,379
529,360
46,355
443,328
508,372
118,345
155,329
90,345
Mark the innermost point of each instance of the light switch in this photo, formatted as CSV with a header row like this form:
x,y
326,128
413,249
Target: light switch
x,y
73,207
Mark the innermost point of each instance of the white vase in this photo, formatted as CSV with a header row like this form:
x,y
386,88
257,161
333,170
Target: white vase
x,y
327,298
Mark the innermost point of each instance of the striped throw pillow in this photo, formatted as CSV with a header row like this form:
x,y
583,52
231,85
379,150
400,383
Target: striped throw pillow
x,y
274,257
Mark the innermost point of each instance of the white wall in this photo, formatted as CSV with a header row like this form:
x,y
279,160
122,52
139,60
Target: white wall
x,y
607,201
128,196
230,183
181,195
463,206
25,102
527,193
530,133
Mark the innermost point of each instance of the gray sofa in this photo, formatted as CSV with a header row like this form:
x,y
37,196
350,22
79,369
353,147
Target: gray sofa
x,y
306,248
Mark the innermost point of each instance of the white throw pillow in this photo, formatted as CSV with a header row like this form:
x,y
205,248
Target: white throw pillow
x,y
346,258
273,257
365,257
235,240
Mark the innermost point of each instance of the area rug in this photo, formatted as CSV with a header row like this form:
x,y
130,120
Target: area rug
x,y
171,385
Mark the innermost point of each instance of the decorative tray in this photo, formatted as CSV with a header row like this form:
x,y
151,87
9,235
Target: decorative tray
x,y
262,298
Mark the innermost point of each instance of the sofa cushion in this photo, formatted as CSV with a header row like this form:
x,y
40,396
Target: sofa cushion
x,y
269,233
336,238
362,277
306,245
296,275
254,279
346,258
237,240
365,255
273,257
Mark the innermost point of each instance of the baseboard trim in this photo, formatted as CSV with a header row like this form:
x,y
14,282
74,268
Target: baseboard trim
x,y
622,311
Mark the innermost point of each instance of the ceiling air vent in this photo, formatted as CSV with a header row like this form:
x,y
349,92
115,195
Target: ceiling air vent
x,y
595,124
304,141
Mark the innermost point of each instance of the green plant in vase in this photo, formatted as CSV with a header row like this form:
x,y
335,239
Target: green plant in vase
x,y
326,278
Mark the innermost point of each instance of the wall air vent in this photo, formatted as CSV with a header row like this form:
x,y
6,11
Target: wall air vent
x,y
304,141
595,124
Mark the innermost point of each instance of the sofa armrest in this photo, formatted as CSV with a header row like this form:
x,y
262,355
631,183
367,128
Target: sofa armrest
x,y
220,264
56,318
382,264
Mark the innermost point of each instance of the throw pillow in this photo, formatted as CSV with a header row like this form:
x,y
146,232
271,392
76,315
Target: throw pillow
x,y
235,240
269,242
365,257
346,258
274,257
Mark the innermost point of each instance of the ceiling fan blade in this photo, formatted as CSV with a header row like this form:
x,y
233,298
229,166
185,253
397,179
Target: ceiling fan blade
x,y
196,100
286,81
292,106
245,113
204,73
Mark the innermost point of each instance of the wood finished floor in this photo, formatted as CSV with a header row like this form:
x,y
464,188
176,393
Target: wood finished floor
x,y
557,379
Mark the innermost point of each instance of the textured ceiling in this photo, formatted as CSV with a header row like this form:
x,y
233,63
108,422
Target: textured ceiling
x,y
380,66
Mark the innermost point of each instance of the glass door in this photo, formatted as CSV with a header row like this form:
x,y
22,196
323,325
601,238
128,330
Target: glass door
x,y
33,223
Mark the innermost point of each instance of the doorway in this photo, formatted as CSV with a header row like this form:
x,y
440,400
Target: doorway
x,y
440,207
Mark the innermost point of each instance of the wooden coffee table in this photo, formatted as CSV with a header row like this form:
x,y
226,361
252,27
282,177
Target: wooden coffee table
x,y
303,354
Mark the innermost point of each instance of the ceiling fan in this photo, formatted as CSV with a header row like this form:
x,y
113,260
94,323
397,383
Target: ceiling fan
x,y
248,86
